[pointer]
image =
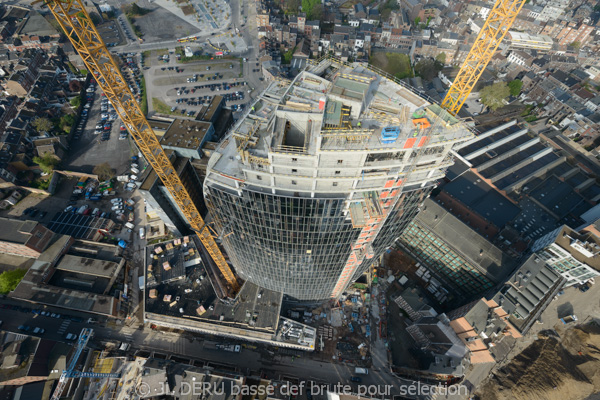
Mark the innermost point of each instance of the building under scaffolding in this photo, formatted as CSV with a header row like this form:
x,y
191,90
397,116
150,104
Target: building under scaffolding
x,y
322,174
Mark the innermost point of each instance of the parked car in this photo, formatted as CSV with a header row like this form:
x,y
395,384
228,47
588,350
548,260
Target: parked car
x,y
584,288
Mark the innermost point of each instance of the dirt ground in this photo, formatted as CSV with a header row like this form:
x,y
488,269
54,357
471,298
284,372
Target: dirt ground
x,y
553,367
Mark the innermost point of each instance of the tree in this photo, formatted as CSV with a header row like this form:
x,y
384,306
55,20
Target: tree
x,y
287,56
47,162
10,279
137,11
515,87
292,6
75,85
417,21
317,12
66,122
576,45
42,125
427,68
386,10
104,171
308,6
76,101
493,95
441,58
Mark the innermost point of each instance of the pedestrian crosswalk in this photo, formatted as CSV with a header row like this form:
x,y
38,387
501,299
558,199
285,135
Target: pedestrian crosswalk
x,y
63,327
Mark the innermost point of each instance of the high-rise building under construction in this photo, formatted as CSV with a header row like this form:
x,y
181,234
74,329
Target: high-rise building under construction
x,y
323,174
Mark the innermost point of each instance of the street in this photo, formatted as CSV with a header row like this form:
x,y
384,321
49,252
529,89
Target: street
x,y
189,347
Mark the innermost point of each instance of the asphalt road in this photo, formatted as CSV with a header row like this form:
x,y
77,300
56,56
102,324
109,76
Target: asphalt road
x,y
189,346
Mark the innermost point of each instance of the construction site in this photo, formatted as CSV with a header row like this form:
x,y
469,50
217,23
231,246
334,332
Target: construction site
x,y
305,194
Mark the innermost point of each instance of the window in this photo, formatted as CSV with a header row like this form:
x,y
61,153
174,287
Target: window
x,y
39,234
259,177
294,171
340,161
293,182
294,159
338,172
335,183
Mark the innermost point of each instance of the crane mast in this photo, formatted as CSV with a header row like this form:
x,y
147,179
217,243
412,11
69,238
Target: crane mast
x,y
77,25
496,26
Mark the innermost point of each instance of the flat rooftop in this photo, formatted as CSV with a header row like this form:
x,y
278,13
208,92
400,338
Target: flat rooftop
x,y
43,284
16,231
560,198
488,259
175,273
482,198
209,112
180,291
185,133
87,266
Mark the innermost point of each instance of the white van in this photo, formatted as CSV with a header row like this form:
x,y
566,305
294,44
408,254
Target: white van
x,y
129,225
142,233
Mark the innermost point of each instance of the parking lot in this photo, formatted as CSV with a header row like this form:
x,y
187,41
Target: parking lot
x,y
184,88
43,208
100,136
110,33
126,28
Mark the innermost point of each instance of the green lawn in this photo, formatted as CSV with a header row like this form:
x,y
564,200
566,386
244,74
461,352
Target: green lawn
x,y
162,108
394,64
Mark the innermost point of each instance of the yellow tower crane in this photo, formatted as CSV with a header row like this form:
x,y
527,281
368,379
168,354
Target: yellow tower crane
x,y
77,25
495,28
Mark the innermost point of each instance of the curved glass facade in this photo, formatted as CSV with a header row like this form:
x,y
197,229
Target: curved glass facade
x,y
293,245
298,246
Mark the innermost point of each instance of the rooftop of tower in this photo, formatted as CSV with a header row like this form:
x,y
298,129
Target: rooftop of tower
x,y
333,107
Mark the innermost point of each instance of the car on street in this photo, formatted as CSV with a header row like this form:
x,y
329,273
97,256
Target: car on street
x,y
24,328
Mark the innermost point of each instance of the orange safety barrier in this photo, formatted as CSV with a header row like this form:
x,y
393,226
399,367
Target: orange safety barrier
x,y
423,122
